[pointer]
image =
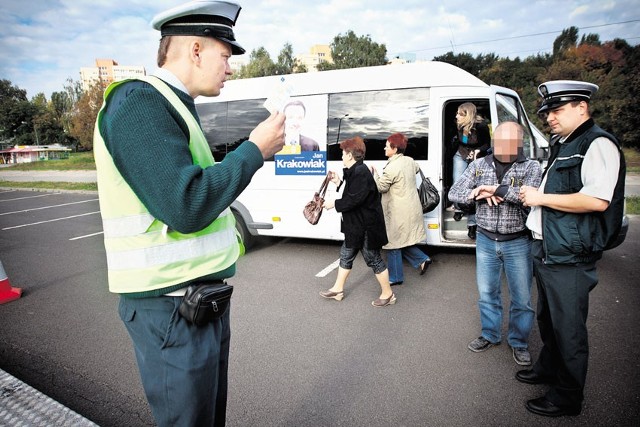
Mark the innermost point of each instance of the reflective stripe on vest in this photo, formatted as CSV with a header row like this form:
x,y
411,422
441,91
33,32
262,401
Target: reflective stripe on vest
x,y
142,253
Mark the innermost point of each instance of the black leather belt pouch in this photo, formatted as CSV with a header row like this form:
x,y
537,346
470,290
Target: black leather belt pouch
x,y
204,303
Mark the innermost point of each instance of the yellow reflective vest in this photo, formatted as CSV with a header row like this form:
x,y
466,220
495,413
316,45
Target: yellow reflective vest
x,y
143,254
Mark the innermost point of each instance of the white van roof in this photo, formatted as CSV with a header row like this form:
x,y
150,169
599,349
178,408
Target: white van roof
x,y
397,76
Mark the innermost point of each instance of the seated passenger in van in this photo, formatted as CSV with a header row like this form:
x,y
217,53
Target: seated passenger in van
x,y
295,142
472,142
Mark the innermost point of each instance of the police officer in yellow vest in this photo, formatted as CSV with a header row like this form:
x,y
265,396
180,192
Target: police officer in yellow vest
x,y
165,209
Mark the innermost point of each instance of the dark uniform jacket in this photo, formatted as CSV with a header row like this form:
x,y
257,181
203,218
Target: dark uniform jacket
x,y
361,209
570,238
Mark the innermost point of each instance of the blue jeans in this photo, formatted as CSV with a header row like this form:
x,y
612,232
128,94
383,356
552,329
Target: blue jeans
x,y
459,166
514,258
412,254
183,367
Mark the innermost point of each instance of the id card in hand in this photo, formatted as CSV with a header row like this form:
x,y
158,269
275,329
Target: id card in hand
x,y
279,97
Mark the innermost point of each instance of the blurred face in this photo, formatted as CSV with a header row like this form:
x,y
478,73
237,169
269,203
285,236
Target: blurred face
x,y
565,119
294,118
506,141
460,115
388,151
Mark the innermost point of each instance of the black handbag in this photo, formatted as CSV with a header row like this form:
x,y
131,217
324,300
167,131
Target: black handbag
x,y
428,194
204,303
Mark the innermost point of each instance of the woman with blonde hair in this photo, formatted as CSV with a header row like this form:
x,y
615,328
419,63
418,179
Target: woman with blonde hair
x,y
472,142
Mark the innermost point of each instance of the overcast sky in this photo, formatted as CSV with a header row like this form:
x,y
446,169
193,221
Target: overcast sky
x,y
44,42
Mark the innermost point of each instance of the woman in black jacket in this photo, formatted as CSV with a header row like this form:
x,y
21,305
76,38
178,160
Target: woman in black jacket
x,y
362,222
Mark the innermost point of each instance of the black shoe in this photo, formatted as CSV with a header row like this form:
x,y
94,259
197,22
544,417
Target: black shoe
x,y
396,283
457,216
472,232
542,406
529,376
425,267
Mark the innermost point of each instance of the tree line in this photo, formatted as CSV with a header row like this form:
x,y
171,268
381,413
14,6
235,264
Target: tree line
x,y
68,117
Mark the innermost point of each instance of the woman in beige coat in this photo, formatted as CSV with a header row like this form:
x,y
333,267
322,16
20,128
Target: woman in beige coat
x,y
402,210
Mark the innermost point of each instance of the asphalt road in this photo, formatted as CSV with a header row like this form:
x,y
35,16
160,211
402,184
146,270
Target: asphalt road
x,y
632,183
297,359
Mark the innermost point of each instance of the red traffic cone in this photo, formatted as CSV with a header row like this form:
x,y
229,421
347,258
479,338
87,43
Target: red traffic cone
x,y
7,293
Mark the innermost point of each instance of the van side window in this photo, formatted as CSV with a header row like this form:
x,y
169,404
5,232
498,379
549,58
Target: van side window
x,y
509,109
226,125
374,115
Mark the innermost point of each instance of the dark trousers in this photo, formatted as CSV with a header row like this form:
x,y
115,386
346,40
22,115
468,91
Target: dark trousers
x,y
563,306
183,367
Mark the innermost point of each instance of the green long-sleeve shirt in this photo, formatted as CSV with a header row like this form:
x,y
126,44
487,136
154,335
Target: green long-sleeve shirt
x,y
149,143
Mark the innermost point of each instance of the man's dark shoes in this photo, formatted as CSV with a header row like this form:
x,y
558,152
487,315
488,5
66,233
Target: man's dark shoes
x,y
457,216
480,344
542,406
529,376
472,232
396,283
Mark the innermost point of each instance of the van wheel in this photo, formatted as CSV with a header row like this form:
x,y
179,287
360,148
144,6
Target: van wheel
x,y
247,238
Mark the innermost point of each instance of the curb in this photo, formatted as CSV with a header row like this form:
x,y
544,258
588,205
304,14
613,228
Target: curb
x,y
21,404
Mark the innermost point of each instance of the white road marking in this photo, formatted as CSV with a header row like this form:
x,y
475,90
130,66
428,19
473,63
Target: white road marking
x,y
88,235
50,220
31,197
47,207
328,269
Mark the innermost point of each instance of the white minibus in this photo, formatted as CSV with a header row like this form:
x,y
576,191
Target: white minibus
x,y
419,100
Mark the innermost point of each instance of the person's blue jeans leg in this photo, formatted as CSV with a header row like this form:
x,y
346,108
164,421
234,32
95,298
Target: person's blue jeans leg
x,y
488,276
518,267
414,256
459,166
471,220
183,367
394,264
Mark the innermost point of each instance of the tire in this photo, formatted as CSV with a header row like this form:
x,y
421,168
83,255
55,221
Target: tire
x,y
247,238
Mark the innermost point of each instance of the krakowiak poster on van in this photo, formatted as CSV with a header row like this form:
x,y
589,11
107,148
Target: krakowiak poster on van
x,y
305,149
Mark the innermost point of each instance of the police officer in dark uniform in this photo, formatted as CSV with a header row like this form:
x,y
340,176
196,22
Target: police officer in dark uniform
x,y
576,214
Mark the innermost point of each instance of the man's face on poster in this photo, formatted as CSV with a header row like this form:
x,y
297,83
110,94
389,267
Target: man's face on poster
x,y
294,119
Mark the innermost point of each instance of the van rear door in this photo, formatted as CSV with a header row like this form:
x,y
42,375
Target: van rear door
x,y
506,106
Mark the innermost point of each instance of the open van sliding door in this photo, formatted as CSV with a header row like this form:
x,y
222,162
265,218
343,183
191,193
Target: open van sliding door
x,y
506,106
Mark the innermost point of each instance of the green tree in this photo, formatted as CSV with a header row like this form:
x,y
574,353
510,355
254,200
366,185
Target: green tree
x,y
592,39
567,39
287,63
15,112
260,65
351,51
467,62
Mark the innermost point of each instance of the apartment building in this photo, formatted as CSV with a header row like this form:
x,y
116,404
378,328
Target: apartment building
x,y
107,71
317,54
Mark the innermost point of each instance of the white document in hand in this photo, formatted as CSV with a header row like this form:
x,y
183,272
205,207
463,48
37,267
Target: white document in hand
x,y
279,97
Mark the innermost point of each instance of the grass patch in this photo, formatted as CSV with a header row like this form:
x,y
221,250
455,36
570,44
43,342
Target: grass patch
x,y
76,161
633,205
632,158
52,185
